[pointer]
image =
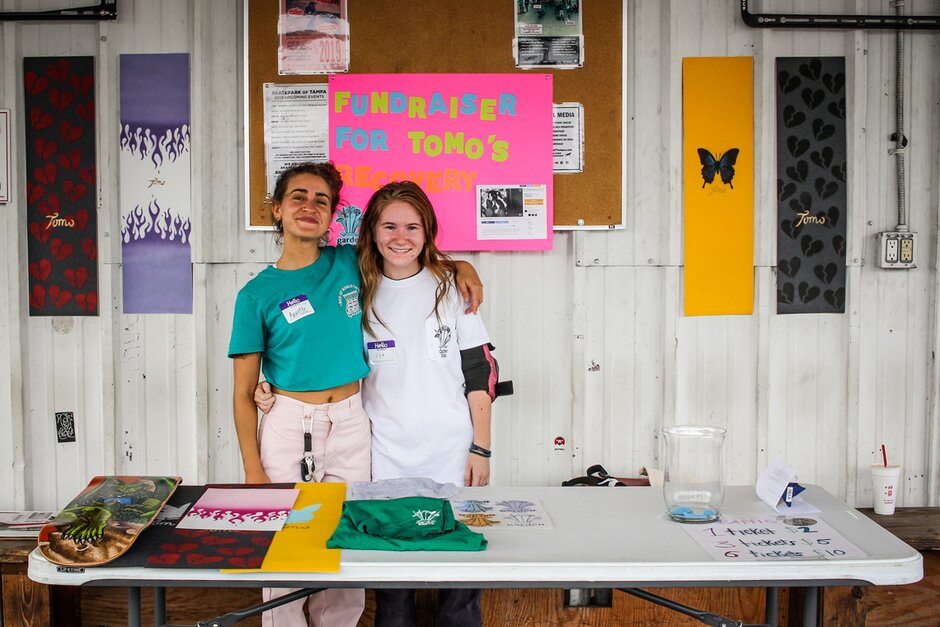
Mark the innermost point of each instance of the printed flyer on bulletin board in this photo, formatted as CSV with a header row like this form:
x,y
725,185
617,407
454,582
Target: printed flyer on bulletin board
x,y
480,145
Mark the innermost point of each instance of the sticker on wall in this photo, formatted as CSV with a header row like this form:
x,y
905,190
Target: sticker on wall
x,y
64,426
718,173
61,200
811,185
155,183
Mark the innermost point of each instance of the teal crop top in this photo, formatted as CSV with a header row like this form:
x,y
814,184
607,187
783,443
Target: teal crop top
x,y
306,323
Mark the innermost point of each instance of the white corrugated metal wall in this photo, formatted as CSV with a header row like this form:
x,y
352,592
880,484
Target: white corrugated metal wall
x,y
592,333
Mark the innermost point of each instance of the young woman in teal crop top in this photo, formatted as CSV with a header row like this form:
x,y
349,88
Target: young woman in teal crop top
x,y
299,322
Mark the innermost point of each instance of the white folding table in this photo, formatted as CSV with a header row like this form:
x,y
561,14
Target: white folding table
x,y
601,537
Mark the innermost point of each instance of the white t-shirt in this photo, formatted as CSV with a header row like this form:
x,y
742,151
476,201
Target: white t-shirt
x,y
414,394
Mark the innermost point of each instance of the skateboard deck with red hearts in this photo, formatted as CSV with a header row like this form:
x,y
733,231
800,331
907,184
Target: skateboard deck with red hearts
x,y
103,521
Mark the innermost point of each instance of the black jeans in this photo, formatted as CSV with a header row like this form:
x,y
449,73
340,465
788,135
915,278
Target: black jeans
x,y
456,607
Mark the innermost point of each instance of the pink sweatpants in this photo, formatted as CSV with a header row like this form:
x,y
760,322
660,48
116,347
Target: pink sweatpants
x,y
341,452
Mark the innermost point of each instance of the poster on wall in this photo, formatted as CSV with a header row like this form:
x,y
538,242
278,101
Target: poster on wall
x,y
313,37
295,127
718,185
548,34
811,185
4,155
61,197
568,138
459,136
155,182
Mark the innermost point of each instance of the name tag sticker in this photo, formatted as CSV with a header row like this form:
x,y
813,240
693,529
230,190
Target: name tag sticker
x,y
296,308
381,351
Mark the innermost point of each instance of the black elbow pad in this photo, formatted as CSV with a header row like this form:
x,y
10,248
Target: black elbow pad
x,y
481,372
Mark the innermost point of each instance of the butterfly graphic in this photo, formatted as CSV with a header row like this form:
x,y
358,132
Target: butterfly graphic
x,y
723,166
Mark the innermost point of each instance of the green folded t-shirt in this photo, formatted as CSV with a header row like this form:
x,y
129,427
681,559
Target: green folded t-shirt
x,y
414,523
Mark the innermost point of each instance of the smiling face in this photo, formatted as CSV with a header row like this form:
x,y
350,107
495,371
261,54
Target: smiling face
x,y
305,211
400,237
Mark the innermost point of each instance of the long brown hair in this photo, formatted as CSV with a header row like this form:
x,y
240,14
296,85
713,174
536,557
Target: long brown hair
x,y
371,263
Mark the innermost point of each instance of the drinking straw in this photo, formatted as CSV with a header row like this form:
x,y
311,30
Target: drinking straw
x,y
884,455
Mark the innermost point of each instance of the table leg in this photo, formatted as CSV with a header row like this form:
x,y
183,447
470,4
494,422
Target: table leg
x,y
771,605
133,607
810,606
159,606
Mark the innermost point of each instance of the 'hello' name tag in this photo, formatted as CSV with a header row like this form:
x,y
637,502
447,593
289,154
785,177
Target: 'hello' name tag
x,y
296,308
381,351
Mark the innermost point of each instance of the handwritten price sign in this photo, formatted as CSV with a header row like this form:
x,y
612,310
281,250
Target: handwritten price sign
x,y
773,538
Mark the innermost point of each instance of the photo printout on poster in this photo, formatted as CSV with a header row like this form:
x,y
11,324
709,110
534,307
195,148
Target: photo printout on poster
x,y
511,212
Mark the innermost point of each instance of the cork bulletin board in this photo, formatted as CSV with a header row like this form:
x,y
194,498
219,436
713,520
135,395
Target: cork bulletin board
x,y
443,36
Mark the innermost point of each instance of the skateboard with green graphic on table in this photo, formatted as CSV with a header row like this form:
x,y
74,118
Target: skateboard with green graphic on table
x,y
102,522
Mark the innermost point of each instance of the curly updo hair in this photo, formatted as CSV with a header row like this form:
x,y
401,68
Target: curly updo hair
x,y
325,170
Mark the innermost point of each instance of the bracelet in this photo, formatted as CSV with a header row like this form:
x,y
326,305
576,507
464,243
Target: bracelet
x,y
476,449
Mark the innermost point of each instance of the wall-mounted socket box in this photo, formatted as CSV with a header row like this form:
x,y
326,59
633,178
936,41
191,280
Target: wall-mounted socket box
x,y
896,249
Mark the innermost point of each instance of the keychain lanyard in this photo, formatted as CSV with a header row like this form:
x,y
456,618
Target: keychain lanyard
x,y
306,464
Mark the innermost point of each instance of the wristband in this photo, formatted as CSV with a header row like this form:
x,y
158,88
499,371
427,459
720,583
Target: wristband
x,y
476,449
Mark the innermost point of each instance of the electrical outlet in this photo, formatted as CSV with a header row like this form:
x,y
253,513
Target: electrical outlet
x,y
589,597
907,250
891,250
896,249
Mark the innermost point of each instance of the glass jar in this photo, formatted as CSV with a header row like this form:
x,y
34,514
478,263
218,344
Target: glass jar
x,y
693,482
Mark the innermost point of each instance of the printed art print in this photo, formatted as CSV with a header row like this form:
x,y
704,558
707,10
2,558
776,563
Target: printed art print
x,y
155,183
164,545
549,34
61,197
240,509
522,513
313,37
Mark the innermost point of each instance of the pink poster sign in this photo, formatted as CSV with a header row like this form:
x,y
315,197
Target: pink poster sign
x,y
480,145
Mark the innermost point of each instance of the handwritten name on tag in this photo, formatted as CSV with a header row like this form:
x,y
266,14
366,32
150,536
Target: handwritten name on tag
x,y
296,308
381,351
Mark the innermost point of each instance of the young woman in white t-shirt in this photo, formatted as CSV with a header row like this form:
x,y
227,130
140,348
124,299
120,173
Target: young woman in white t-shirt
x,y
432,377
428,411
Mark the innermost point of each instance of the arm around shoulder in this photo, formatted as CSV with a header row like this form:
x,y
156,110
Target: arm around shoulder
x,y
469,285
